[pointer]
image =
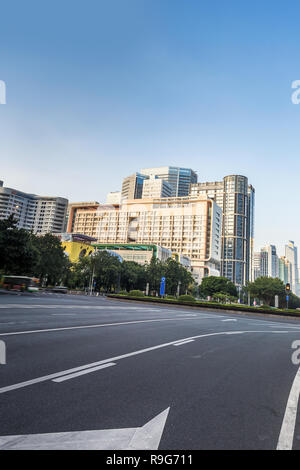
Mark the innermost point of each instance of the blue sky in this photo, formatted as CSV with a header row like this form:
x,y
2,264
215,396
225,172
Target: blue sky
x,y
98,89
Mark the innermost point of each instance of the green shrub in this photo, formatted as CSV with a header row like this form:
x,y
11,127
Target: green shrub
x,y
136,293
123,292
171,297
186,298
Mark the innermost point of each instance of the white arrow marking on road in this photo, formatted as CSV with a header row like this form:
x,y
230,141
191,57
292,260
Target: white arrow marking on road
x,y
146,437
286,437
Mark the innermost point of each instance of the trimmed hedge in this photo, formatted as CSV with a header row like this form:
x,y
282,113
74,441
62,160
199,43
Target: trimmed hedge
x,y
213,305
186,298
136,293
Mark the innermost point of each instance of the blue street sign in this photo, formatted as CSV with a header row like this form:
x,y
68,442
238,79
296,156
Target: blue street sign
x,y
162,286
287,297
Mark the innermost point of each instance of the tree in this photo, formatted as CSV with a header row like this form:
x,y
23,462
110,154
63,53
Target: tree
x,y
175,273
212,284
52,263
265,288
106,269
18,251
154,273
133,276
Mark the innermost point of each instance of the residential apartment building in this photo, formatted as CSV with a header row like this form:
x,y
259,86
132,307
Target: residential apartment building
x,y
179,178
191,227
236,198
80,217
41,214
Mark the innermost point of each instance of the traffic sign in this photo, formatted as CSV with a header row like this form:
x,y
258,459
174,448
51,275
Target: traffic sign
x,y
162,286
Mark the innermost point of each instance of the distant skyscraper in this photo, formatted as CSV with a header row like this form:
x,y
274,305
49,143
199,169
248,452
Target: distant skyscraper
x,y
236,199
41,214
132,187
156,188
180,179
291,254
256,265
285,271
269,262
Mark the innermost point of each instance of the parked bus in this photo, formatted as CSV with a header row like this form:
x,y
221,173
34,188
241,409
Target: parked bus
x,y
20,283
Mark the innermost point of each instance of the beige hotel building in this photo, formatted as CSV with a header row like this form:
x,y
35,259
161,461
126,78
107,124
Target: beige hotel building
x,y
191,227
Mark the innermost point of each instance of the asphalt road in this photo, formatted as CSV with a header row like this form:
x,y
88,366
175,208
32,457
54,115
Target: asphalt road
x,y
98,373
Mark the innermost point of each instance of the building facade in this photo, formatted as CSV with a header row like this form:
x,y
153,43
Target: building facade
x,y
236,198
180,179
41,214
269,265
189,227
132,186
156,188
291,255
80,217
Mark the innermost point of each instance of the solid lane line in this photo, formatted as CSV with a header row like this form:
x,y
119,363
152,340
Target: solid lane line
x,y
101,325
123,356
286,437
82,372
183,342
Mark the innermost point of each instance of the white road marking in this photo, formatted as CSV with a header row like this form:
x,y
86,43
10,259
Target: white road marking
x,y
230,319
123,356
102,325
82,372
84,307
146,437
183,342
286,437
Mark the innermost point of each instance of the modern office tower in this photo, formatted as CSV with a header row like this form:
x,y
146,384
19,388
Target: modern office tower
x,y
292,256
191,227
132,187
1,184
236,198
256,265
156,188
179,178
113,197
269,262
41,214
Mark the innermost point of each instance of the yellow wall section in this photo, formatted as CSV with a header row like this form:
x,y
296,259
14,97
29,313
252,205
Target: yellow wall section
x,y
75,250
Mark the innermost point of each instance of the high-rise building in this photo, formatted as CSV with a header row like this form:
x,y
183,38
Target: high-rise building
x,y
269,262
291,254
132,187
256,265
41,214
236,198
156,188
180,179
285,270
